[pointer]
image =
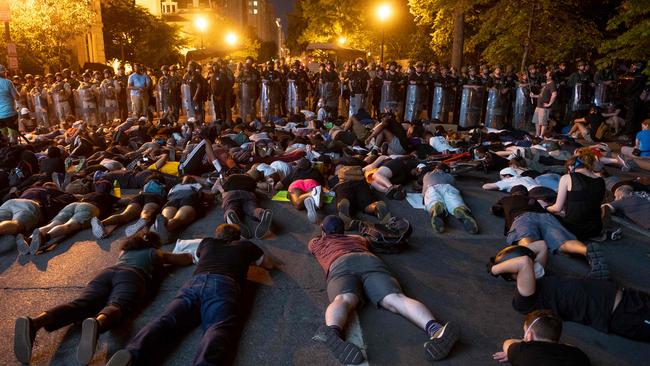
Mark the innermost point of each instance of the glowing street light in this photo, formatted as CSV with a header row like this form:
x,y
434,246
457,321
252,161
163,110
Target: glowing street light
x,y
384,11
201,24
231,38
342,40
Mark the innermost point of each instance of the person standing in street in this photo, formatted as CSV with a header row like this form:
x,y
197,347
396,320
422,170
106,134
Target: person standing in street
x,y
139,84
8,114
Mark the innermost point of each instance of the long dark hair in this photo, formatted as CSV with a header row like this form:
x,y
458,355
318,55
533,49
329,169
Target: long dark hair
x,y
140,241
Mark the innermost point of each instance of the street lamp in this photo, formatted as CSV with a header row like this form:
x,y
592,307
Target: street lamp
x,y
231,38
384,11
342,40
201,24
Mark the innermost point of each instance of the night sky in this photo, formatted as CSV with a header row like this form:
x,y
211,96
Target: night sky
x,y
282,8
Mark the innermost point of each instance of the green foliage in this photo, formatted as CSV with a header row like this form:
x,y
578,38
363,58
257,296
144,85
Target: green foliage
x,y
44,27
133,34
632,28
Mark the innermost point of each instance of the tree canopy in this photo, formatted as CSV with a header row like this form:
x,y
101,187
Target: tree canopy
x,y
133,34
44,28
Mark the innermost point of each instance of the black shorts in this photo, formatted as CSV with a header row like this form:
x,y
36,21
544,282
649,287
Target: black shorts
x,y
631,318
144,198
9,122
186,199
357,192
359,273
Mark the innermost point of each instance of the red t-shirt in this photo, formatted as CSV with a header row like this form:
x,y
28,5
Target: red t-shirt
x,y
328,248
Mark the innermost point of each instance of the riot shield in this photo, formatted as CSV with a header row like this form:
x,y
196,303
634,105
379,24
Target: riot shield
x,y
109,101
389,98
519,107
247,100
160,105
39,102
581,97
270,99
604,94
88,106
356,103
495,111
415,102
295,98
61,105
330,96
186,95
471,106
443,103
77,105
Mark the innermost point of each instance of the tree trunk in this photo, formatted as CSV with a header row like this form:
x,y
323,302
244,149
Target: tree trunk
x,y
459,38
527,40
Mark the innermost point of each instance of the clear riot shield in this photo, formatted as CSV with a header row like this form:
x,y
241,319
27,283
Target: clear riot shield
x,y
356,103
519,107
247,100
443,103
415,103
389,97
160,106
77,105
109,101
604,94
471,106
39,101
61,105
495,111
88,106
270,99
186,95
331,97
581,97
295,101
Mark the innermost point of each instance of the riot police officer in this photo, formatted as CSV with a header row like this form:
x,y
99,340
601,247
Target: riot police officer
x,y
417,93
359,84
249,85
297,88
580,91
271,92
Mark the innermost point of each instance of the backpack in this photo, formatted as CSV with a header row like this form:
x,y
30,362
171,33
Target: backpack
x,y
602,132
350,173
155,187
389,238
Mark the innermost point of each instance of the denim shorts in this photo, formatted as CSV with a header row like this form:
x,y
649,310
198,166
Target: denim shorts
x,y
539,226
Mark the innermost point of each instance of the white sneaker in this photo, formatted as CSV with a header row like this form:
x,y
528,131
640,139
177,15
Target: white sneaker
x,y
135,227
21,245
310,205
97,228
539,270
316,194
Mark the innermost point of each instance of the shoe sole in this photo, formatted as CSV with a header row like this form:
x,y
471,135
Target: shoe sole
x,y
345,352
161,229
437,224
310,206
22,340
97,229
234,220
35,244
438,348
264,225
120,358
135,227
596,259
88,341
21,245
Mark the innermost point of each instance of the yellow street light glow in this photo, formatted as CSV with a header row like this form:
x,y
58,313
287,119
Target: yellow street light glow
x,y
342,40
384,12
201,23
231,38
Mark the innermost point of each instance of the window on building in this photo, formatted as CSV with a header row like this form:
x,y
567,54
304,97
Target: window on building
x,y
254,3
254,11
169,7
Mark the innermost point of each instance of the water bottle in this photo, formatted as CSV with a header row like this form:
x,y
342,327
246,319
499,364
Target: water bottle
x,y
117,191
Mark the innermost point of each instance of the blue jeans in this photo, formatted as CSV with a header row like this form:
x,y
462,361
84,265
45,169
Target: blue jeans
x,y
209,299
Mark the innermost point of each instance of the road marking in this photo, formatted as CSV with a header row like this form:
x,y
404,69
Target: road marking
x,y
355,335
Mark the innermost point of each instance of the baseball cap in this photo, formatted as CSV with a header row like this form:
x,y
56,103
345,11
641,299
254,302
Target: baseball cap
x,y
332,225
509,171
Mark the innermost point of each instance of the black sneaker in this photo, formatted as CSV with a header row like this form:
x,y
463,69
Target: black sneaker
x,y
23,339
232,218
343,209
120,358
88,342
439,346
263,227
596,260
345,352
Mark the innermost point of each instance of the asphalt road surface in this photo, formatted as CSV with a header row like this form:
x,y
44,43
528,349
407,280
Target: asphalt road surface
x,y
284,308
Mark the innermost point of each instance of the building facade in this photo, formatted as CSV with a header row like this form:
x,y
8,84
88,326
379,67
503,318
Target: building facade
x,y
89,48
